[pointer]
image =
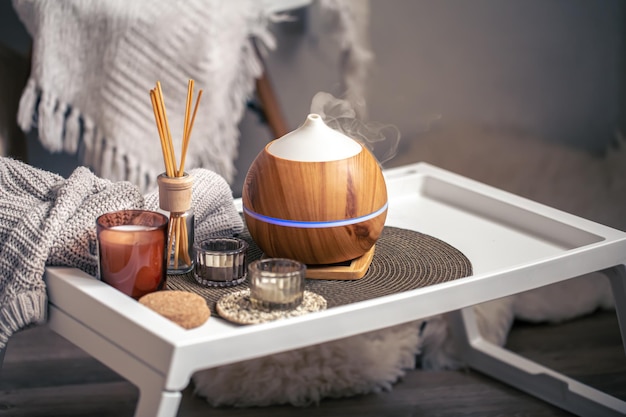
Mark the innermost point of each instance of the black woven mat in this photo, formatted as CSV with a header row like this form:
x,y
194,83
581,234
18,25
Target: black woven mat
x,y
404,260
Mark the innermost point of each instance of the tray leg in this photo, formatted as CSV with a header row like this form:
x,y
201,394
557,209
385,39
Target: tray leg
x,y
154,400
526,375
617,276
155,403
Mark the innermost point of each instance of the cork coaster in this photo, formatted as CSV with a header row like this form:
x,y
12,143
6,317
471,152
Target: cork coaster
x,y
236,307
184,308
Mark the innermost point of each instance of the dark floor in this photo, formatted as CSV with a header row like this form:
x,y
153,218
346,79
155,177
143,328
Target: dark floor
x,y
43,375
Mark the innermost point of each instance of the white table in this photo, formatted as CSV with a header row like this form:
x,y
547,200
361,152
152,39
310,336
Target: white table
x,y
514,245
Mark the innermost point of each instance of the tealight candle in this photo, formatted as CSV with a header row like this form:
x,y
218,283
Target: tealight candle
x,y
276,283
132,250
220,261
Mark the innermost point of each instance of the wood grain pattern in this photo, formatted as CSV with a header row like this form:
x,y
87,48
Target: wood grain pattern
x,y
175,193
315,192
356,269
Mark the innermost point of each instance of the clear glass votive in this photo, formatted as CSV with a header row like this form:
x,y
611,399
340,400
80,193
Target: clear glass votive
x,y
220,261
276,283
132,250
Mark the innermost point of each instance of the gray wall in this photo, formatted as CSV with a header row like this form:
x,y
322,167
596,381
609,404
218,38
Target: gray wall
x,y
551,68
554,67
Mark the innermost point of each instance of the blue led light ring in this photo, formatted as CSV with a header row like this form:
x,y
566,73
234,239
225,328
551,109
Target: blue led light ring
x,y
314,224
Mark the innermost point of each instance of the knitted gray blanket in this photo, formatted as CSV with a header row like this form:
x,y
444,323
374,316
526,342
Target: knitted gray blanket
x,y
46,219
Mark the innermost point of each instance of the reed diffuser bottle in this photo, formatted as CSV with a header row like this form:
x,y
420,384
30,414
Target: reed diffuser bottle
x,y
175,186
175,200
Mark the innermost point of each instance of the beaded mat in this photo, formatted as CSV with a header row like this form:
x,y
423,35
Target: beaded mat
x,y
236,307
404,260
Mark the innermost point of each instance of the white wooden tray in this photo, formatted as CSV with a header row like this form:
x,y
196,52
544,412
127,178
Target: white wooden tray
x,y
514,245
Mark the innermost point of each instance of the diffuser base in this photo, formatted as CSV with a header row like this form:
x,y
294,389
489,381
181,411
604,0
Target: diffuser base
x,y
350,270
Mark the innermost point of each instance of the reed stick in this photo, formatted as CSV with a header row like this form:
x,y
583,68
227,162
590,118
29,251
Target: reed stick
x,y
177,233
186,139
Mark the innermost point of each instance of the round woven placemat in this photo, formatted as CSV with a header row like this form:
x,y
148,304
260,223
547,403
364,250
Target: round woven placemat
x,y
404,260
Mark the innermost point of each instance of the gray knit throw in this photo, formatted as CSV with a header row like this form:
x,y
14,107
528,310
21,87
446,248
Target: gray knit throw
x,y
46,219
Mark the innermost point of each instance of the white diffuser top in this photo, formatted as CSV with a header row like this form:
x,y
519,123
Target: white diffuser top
x,y
314,141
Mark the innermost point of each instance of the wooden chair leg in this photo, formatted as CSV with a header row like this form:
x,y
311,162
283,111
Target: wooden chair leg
x,y
268,102
14,71
2,352
270,106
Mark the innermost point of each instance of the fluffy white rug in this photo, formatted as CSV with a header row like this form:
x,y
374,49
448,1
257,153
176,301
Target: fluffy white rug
x,y
561,177
360,364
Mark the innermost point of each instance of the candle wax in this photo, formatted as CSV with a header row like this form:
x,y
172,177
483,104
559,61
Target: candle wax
x,y
132,258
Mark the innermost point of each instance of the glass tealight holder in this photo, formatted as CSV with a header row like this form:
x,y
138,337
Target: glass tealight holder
x,y
276,284
220,261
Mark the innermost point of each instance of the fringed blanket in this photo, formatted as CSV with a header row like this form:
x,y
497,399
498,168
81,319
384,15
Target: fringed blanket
x,y
94,63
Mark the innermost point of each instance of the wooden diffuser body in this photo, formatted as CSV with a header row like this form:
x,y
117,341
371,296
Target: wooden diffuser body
x,y
310,210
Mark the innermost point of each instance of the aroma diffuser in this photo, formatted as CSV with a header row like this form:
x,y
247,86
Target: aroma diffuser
x,y
316,196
